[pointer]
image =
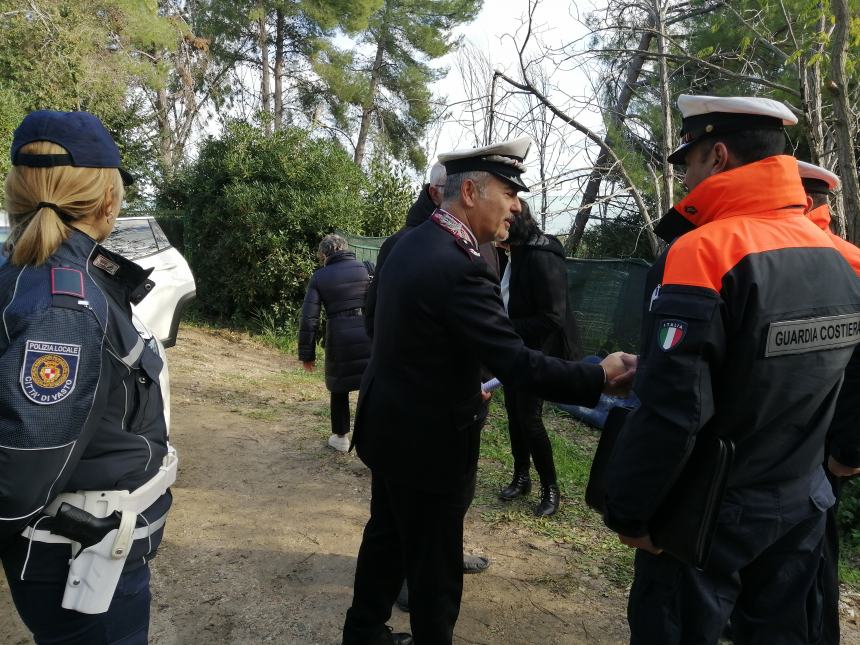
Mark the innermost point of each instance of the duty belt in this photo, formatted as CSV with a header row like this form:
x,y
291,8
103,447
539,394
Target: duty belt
x,y
100,527
357,311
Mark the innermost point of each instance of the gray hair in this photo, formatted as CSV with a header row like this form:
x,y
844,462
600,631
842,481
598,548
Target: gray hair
x,y
455,182
330,245
438,175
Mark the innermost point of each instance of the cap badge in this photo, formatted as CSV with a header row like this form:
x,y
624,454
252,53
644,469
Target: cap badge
x,y
709,128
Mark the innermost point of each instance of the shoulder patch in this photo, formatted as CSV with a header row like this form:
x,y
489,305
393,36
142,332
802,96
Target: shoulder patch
x,y
67,281
49,371
670,334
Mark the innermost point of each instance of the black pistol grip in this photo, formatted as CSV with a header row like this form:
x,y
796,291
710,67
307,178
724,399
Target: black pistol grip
x,y
80,526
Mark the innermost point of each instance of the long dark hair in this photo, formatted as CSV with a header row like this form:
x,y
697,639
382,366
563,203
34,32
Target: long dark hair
x,y
523,225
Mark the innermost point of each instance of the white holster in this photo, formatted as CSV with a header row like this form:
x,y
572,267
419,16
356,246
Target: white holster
x,y
95,571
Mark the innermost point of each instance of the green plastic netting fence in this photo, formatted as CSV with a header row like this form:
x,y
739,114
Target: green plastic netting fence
x,y
607,296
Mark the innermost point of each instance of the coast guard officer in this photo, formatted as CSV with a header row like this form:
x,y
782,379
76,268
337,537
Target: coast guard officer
x,y
439,318
85,463
752,319
842,451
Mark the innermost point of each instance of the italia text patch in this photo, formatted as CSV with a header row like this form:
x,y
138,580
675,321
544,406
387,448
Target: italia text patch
x,y
671,333
812,334
49,371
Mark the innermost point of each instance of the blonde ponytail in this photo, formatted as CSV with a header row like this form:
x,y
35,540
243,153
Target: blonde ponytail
x,y
79,193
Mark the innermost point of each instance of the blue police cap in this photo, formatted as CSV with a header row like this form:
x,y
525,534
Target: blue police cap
x,y
87,141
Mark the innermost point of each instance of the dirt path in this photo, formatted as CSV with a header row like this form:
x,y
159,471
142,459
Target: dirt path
x,y
261,544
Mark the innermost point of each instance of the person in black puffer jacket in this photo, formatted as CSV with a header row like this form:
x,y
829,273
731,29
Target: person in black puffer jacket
x,y
534,290
340,286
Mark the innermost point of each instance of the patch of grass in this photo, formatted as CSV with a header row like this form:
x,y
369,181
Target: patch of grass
x,y
849,573
575,524
262,414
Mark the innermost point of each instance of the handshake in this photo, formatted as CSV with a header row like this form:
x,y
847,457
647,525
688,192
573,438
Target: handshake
x,y
620,368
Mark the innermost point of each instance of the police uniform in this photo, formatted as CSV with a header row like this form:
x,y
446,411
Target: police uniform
x,y
842,442
438,319
751,317
82,420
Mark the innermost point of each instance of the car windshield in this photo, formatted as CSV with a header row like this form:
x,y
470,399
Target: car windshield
x,y
135,238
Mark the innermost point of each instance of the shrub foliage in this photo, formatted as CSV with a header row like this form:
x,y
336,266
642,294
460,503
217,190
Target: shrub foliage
x,y
254,208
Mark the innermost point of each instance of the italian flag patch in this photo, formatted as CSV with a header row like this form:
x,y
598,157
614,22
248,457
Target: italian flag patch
x,y
671,334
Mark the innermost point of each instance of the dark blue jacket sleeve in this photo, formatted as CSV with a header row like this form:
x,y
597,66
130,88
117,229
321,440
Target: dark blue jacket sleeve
x,y
310,322
54,380
674,385
476,314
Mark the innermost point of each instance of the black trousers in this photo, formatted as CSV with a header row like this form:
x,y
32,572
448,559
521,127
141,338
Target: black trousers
x,y
528,435
339,407
763,572
830,569
418,534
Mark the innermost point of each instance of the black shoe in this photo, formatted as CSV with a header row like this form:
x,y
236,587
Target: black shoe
x,y
387,637
473,563
402,601
520,485
550,497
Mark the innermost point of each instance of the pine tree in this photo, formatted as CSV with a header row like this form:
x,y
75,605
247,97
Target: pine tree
x,y
387,94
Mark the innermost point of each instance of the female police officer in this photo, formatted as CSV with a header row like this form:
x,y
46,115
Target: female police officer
x,y
84,458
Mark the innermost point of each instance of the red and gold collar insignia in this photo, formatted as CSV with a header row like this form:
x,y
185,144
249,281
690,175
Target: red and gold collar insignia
x,y
455,227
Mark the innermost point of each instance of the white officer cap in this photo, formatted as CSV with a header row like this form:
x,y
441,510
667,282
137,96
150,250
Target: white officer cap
x,y
504,159
817,179
706,116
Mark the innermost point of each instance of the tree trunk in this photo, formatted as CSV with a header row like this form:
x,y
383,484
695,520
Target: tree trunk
x,y
667,144
845,134
370,102
279,70
165,135
265,93
616,119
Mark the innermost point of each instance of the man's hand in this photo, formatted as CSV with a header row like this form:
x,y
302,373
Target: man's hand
x,y
620,369
309,366
486,396
643,543
841,470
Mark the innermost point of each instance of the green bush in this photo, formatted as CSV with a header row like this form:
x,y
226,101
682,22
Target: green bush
x,y
388,196
849,518
255,210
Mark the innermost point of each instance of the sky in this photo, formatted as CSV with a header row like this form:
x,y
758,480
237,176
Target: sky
x,y
558,22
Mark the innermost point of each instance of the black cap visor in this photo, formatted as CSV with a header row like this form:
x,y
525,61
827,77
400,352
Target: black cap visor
x,y
507,172
700,126
818,186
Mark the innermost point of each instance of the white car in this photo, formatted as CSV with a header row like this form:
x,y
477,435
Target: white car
x,y
141,240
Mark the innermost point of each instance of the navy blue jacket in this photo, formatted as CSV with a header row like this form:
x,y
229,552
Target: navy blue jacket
x,y
341,287
80,400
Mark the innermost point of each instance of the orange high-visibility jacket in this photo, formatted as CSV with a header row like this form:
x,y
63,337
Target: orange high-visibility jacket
x,y
751,317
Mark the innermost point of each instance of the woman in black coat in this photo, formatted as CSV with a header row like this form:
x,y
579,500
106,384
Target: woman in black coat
x,y
534,290
340,286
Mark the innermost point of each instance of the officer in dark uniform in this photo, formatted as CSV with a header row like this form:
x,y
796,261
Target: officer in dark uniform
x,y
439,318
85,458
843,446
752,316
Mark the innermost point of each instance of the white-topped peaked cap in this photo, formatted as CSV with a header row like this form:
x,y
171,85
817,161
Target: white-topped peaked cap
x,y
817,179
710,115
503,159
